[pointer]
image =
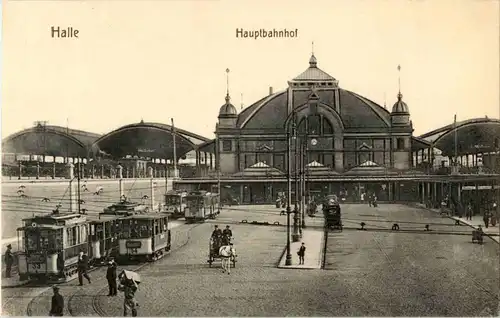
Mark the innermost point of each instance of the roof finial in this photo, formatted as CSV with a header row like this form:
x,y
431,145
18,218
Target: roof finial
x,y
400,96
385,101
241,101
312,51
227,86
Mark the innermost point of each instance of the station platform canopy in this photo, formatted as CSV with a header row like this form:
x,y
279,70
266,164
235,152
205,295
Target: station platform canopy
x,y
50,141
147,140
479,135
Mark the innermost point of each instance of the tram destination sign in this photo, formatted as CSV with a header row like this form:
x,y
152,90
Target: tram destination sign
x,y
133,244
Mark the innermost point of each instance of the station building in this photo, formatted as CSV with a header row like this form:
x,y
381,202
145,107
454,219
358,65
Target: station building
x,y
340,141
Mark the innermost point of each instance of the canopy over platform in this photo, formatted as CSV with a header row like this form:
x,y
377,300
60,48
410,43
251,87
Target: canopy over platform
x,y
147,140
50,141
473,136
208,146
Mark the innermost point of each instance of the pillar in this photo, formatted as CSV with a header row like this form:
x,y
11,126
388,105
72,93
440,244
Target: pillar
x,y
151,184
93,172
20,170
133,171
459,192
71,176
390,195
54,169
119,171
102,171
37,170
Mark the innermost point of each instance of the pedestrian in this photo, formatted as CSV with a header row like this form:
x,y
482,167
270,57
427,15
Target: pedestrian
x,y
128,287
83,262
302,253
57,307
486,219
9,260
111,277
469,212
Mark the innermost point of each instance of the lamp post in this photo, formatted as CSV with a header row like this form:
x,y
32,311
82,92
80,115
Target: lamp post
x,y
296,234
288,260
304,192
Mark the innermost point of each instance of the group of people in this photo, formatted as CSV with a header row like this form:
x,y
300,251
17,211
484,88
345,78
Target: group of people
x,y
126,286
222,237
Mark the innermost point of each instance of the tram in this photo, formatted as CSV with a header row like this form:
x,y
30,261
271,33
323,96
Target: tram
x,y
144,237
201,205
332,212
51,246
125,206
175,203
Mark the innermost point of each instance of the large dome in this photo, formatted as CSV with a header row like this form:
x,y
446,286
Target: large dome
x,y
355,111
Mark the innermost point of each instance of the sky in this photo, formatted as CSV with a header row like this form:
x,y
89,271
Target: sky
x,y
156,60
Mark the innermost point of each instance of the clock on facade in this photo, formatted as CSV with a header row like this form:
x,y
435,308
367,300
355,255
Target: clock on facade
x,y
314,142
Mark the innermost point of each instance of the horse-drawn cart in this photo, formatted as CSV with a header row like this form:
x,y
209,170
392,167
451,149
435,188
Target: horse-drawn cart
x,y
213,253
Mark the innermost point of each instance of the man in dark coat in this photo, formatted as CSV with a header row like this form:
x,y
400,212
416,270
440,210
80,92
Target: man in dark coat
x,y
302,253
111,277
9,260
57,307
83,261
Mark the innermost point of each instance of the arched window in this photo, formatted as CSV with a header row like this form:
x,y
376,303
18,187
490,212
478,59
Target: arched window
x,y
327,127
315,125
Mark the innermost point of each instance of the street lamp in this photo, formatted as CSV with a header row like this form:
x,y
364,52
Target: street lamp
x,y
296,234
288,260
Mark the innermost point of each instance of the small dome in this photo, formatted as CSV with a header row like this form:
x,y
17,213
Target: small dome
x,y
228,109
400,106
312,61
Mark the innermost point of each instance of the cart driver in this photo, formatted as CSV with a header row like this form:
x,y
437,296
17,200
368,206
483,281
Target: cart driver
x,y
227,232
217,233
217,236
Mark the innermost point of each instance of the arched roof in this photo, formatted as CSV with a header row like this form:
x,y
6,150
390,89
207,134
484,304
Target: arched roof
x,y
51,141
154,140
356,111
473,135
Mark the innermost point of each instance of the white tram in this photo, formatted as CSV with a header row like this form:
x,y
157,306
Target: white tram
x,y
144,237
201,205
175,203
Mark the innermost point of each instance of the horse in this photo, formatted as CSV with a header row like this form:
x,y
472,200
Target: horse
x,y
226,252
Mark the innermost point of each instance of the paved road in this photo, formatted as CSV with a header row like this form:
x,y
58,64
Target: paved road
x,y
409,274
370,273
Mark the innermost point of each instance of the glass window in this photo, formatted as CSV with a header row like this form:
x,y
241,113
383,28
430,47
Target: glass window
x,y
313,125
141,229
400,143
31,240
226,145
327,127
172,199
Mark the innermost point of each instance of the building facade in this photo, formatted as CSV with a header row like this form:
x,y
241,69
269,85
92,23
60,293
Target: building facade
x,y
341,128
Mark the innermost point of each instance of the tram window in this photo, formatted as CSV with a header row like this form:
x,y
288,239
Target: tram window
x,y
31,240
157,227
83,233
74,235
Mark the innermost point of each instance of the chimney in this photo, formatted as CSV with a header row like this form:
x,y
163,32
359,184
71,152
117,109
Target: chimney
x,y
270,90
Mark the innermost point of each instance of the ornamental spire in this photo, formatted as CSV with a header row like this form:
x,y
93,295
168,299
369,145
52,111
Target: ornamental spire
x,y
400,96
228,98
312,61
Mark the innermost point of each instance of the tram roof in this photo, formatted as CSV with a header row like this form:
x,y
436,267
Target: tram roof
x,y
151,216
